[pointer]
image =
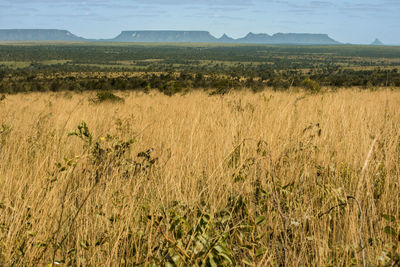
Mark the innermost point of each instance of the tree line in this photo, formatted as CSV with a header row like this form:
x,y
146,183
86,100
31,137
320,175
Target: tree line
x,y
17,81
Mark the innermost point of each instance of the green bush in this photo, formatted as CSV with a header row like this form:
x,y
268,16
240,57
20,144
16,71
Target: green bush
x,y
172,87
311,85
106,96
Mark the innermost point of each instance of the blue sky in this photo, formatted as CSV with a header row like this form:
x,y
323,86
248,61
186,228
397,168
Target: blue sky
x,y
353,21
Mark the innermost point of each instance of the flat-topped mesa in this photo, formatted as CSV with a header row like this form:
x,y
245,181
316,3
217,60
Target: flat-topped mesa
x,y
287,38
302,38
166,36
170,37
38,35
255,38
206,37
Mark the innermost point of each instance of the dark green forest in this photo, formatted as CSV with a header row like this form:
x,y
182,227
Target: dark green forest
x,y
176,68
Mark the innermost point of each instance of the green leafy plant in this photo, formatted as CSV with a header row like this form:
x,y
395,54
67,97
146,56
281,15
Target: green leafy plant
x,y
231,236
105,156
83,133
391,255
110,153
185,244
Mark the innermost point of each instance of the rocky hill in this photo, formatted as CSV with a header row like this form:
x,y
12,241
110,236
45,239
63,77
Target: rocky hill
x,y
377,42
226,39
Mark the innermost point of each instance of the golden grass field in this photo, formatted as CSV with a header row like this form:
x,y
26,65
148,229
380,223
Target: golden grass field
x,y
267,179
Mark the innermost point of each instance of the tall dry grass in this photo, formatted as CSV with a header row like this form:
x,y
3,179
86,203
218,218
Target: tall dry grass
x,y
272,174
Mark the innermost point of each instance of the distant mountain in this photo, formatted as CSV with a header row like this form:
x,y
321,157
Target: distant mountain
x,y
288,38
377,42
226,39
165,36
38,35
206,37
302,38
252,38
172,36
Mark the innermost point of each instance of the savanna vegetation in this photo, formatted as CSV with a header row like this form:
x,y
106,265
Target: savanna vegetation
x,y
199,155
244,179
180,68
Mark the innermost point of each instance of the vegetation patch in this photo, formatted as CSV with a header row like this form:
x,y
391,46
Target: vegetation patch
x,y
173,69
106,96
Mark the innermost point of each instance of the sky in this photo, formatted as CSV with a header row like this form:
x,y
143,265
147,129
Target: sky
x,y
347,21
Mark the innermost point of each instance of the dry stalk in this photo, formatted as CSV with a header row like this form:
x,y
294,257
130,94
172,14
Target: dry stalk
x,y
360,218
365,166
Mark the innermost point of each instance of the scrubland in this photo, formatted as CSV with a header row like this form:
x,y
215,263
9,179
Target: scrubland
x,y
243,179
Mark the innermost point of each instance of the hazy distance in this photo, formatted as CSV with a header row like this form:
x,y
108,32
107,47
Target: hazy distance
x,y
353,21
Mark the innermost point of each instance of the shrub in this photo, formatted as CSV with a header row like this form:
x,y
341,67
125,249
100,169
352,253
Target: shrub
x,y
103,96
311,85
2,74
278,83
172,87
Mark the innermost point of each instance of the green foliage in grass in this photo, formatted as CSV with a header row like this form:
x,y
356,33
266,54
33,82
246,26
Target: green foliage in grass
x,y
311,85
106,96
